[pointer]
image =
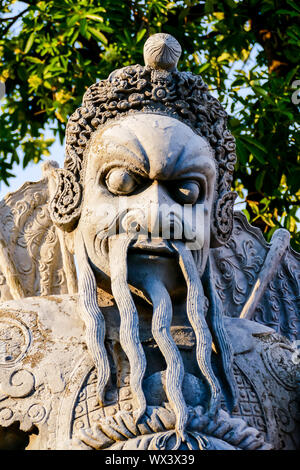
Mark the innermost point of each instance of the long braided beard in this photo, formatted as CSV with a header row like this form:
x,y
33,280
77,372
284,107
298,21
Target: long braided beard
x,y
161,329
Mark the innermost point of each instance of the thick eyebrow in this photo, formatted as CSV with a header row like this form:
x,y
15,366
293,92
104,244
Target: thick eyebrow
x,y
187,165
127,149
191,163
111,149
122,156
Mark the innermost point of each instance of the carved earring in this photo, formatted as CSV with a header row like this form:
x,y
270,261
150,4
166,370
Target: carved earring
x,y
223,219
65,206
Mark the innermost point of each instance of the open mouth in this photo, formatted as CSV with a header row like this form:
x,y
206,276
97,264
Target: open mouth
x,y
158,247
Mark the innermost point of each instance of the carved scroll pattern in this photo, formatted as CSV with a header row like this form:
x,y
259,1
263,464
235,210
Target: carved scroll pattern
x,y
237,266
31,241
279,308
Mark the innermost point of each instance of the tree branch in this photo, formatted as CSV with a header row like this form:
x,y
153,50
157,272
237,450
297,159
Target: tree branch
x,y
13,19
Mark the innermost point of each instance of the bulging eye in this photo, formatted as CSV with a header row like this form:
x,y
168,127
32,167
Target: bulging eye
x,y
120,181
187,192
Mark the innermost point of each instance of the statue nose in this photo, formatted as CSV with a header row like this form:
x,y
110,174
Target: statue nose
x,y
134,222
155,214
157,194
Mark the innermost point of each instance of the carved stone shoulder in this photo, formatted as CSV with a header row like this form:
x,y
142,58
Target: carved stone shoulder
x,y
267,377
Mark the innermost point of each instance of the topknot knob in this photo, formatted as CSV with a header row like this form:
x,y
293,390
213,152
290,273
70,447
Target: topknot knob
x,y
162,51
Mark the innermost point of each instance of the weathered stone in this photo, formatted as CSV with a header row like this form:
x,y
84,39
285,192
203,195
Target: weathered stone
x,y
180,333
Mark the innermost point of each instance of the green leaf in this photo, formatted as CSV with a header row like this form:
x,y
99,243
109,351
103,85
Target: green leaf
x,y
293,4
74,36
203,67
238,82
234,122
259,180
287,12
254,207
104,27
98,35
29,42
95,18
242,152
255,152
34,60
140,35
260,91
73,20
290,75
246,214
254,142
83,27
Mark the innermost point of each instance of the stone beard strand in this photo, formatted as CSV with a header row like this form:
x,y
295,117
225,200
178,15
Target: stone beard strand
x,y
93,318
161,324
196,315
129,320
220,338
204,335
161,330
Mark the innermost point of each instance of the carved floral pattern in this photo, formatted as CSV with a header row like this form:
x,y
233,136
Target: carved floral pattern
x,y
14,341
236,268
32,242
113,426
237,265
279,307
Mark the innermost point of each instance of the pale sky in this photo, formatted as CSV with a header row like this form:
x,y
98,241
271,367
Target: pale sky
x,y
33,171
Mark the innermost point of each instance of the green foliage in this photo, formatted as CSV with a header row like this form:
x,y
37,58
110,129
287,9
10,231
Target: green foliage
x,y
247,51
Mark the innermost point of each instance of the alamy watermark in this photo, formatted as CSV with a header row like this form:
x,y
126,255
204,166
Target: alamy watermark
x,y
2,90
296,95
153,220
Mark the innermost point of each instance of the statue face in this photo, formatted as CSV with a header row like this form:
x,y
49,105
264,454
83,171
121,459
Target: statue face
x,y
153,176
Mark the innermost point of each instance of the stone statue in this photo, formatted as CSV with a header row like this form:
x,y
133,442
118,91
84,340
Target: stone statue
x,y
182,332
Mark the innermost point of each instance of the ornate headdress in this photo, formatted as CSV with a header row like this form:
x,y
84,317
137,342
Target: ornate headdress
x,y
158,87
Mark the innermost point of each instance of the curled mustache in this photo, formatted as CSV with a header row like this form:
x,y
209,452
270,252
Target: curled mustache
x,y
138,223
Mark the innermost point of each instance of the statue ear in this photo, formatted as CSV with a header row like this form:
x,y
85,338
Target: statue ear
x,y
65,206
222,221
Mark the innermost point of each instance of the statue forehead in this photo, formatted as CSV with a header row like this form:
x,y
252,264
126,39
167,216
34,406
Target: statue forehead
x,y
160,144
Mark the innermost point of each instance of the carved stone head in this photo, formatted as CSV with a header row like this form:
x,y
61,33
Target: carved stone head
x,y
146,189
158,89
